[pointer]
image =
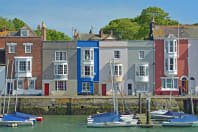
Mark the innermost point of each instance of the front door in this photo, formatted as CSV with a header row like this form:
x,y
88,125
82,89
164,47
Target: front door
x,y
46,89
129,89
104,89
9,88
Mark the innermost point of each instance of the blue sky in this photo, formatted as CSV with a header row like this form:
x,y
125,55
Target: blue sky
x,y
82,14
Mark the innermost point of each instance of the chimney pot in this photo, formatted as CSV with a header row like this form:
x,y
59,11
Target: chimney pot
x,y
3,28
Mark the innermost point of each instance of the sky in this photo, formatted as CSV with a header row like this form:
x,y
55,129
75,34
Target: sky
x,y
65,15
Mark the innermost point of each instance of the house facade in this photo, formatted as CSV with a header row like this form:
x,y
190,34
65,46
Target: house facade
x,y
140,74
171,60
193,64
113,52
23,59
59,64
87,67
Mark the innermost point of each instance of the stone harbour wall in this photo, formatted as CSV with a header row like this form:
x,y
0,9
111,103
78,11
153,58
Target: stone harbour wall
x,y
86,105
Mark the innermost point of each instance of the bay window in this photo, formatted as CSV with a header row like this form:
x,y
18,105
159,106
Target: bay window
x,y
87,70
23,66
118,69
170,46
142,70
88,54
61,68
20,84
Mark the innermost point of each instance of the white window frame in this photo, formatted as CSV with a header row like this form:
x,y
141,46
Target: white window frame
x,y
167,63
64,68
59,58
117,54
85,86
167,45
118,69
91,70
31,79
141,56
142,72
11,46
30,46
18,83
172,83
28,65
91,54
57,84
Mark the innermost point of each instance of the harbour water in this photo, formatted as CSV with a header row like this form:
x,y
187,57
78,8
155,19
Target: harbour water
x,y
78,124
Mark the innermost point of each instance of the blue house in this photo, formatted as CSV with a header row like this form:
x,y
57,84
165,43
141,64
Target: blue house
x,y
88,67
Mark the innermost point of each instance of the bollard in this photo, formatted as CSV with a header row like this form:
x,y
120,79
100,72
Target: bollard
x,y
148,110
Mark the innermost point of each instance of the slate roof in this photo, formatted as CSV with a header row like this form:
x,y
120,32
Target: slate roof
x,y
184,31
88,36
17,33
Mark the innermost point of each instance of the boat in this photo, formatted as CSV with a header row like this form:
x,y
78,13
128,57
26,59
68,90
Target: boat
x,y
184,121
9,120
162,115
28,116
112,119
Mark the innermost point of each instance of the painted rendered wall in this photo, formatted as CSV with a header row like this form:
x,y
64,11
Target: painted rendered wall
x,y
182,65
84,44
192,62
106,53
2,78
134,47
48,54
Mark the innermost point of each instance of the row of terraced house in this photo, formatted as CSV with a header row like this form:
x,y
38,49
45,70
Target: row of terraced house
x,y
163,65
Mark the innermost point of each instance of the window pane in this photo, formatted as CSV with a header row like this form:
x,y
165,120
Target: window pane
x,y
169,83
87,54
175,83
87,70
163,83
31,84
166,46
120,70
20,84
65,69
22,66
171,46
171,63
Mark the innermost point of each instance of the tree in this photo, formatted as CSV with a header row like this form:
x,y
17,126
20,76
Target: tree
x,y
53,35
8,23
18,23
138,28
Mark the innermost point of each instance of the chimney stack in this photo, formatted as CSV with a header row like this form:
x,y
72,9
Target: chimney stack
x,y
3,28
75,33
43,31
90,32
101,33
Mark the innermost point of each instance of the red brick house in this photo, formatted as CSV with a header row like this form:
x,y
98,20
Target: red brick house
x,y
24,60
171,60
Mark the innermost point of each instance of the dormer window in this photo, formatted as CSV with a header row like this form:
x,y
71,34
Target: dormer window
x,y
24,33
28,47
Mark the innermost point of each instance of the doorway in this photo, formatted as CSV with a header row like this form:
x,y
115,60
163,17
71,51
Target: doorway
x,y
9,88
185,84
129,89
46,89
104,89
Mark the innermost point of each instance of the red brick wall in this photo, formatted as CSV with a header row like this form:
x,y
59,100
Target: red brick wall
x,y
20,51
182,65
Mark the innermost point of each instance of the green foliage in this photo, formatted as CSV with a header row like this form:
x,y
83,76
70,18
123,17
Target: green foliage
x,y
8,23
53,35
138,28
18,23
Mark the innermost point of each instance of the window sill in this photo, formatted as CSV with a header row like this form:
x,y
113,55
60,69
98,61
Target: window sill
x,y
169,89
